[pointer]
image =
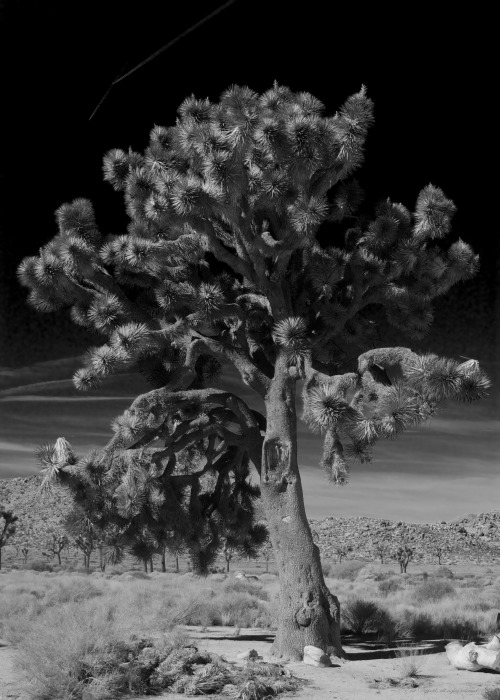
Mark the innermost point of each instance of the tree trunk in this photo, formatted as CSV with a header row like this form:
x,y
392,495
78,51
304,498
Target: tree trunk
x,y
151,565
163,562
176,563
145,564
308,613
59,557
227,565
0,558
267,566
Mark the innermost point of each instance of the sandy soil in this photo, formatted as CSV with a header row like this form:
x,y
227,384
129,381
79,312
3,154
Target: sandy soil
x,y
355,679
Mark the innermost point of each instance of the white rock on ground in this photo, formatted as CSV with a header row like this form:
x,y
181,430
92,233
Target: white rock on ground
x,y
314,656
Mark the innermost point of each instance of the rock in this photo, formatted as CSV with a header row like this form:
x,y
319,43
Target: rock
x,y
314,656
408,683
462,657
249,655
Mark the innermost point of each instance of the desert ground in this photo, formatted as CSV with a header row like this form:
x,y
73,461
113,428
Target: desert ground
x,y
45,615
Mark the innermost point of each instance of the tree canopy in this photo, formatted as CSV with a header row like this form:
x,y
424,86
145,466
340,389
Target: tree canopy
x,y
224,261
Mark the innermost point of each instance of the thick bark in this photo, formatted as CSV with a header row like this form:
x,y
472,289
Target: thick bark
x,y
163,562
308,613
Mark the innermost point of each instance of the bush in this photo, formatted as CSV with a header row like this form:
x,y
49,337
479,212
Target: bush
x,y
391,585
444,572
390,628
360,615
326,566
432,591
372,572
238,585
347,570
39,565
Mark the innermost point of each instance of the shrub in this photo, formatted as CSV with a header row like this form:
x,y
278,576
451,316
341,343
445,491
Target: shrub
x,y
347,570
371,572
391,585
432,591
39,565
410,660
444,572
253,588
360,615
241,610
326,567
390,628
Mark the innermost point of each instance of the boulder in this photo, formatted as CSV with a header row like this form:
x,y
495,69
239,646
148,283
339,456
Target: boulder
x,y
314,656
462,657
474,657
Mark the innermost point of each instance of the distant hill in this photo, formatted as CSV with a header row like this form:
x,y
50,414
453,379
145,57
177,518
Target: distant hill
x,y
462,537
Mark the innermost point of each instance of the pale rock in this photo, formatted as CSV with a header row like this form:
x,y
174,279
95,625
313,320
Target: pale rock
x,y
314,656
463,657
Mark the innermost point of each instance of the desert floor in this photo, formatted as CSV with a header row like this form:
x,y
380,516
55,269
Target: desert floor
x,y
355,679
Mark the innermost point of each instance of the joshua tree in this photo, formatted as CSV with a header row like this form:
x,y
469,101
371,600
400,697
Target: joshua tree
x,y
82,532
57,542
24,552
438,550
342,551
402,555
266,552
7,528
380,550
246,246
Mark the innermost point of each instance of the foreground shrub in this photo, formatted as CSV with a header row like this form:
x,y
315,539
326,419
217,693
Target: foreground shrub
x,y
80,652
491,693
432,591
360,615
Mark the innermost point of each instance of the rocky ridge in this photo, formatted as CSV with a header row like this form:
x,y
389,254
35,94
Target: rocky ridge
x,y
471,537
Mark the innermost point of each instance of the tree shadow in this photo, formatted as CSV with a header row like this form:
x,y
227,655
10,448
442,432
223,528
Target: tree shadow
x,y
365,650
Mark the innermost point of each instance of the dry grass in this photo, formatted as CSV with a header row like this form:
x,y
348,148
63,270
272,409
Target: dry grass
x,y
75,633
410,660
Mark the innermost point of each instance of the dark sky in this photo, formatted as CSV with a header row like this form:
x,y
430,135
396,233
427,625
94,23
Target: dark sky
x,y
431,77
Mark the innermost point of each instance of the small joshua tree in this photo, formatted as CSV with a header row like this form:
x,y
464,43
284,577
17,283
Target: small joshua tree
x,y
478,547
7,528
82,533
228,552
342,551
380,550
247,245
56,543
439,550
403,554
267,554
25,552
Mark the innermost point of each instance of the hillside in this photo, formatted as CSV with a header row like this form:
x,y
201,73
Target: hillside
x,y
471,537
